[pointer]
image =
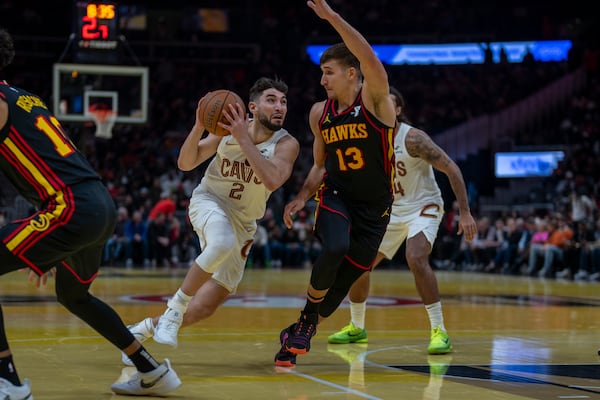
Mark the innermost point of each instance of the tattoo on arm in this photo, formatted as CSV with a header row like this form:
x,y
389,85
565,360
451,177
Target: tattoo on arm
x,y
418,144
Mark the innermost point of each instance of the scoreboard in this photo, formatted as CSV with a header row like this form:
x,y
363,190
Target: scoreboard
x,y
96,31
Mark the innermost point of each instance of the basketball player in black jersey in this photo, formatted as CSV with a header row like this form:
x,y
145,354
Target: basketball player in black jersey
x,y
352,176
75,216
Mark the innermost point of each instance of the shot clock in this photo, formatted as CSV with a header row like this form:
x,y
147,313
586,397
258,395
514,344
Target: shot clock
x,y
96,31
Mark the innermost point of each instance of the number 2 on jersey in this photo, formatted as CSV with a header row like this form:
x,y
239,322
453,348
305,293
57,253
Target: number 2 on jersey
x,y
236,191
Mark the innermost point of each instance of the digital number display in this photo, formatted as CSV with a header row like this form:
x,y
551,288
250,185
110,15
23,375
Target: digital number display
x,y
96,25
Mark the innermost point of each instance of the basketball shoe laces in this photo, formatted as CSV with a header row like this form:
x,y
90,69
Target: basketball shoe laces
x,y
304,331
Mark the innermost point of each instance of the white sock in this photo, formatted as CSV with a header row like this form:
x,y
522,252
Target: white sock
x,y
357,314
436,318
179,302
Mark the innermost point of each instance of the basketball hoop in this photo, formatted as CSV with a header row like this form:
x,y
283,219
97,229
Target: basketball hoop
x,y
104,120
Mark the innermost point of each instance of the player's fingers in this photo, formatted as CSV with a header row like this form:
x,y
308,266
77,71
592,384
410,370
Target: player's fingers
x,y
230,114
287,220
34,278
234,110
469,233
240,110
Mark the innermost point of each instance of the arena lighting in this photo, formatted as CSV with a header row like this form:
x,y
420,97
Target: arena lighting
x,y
461,53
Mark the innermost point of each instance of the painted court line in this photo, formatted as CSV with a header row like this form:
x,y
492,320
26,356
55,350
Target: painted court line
x,y
336,386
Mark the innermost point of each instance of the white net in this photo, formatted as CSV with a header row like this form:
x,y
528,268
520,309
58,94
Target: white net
x,y
104,120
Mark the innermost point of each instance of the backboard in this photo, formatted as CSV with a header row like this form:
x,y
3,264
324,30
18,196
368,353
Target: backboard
x,y
77,87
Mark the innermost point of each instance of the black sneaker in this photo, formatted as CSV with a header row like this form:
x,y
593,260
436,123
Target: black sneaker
x,y
306,327
284,358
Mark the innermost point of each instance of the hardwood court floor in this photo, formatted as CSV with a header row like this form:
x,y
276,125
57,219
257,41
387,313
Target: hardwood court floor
x,y
514,338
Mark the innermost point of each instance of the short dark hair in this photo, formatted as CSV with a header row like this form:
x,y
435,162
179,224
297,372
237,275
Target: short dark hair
x,y
399,98
7,49
340,53
263,84
399,103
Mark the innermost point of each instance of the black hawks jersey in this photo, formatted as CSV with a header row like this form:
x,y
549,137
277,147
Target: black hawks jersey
x,y
359,149
35,153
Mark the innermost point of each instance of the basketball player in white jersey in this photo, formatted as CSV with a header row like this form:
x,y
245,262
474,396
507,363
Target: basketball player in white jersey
x,y
251,163
416,215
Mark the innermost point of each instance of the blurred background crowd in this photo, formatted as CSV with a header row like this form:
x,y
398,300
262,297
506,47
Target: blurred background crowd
x,y
548,227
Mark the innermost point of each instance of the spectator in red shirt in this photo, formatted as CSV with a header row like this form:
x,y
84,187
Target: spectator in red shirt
x,y
166,206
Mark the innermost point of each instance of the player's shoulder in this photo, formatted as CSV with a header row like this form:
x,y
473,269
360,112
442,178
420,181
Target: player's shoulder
x,y
318,106
283,135
412,131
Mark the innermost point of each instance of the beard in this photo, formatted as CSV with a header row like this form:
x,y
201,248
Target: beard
x,y
268,124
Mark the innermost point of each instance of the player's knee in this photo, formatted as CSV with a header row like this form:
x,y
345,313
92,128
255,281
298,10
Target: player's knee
x,y
71,300
322,278
211,257
418,263
333,253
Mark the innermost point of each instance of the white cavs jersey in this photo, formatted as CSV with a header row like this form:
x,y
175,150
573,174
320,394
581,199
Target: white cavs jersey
x,y
231,181
414,184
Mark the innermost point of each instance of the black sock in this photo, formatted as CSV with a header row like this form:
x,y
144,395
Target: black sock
x,y
143,361
8,371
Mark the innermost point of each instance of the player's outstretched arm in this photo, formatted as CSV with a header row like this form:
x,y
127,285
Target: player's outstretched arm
x,y
375,76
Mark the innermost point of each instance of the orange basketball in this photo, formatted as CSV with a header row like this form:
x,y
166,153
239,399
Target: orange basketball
x,y
211,109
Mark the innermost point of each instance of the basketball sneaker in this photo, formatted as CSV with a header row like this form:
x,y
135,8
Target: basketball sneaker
x,y
349,334
8,391
159,382
142,331
306,327
167,328
439,342
285,358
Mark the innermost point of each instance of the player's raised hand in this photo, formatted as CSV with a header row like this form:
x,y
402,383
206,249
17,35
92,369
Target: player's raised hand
x,y
321,8
238,120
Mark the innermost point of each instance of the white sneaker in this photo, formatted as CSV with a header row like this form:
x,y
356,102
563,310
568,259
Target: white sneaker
x,y
564,274
167,328
142,331
8,391
154,383
581,275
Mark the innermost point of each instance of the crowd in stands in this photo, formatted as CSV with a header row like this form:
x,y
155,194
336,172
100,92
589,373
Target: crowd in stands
x,y
139,163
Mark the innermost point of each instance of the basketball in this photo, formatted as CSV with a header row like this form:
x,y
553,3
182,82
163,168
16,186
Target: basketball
x,y
211,109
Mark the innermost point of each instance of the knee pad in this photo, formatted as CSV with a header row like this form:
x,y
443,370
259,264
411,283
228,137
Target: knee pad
x,y
214,253
74,301
327,264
